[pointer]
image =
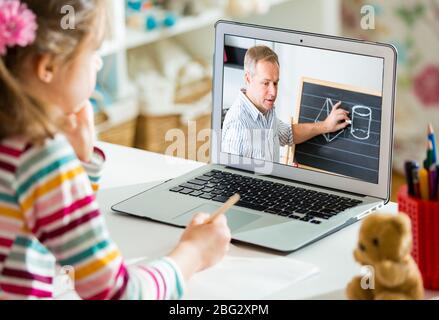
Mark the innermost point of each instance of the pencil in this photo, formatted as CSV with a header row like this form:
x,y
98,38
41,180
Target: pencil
x,y
226,206
437,181
423,184
431,137
415,176
432,177
408,168
429,155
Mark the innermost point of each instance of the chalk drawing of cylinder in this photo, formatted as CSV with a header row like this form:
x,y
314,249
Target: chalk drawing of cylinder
x,y
361,120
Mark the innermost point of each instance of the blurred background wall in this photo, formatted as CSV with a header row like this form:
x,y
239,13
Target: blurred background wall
x,y
158,62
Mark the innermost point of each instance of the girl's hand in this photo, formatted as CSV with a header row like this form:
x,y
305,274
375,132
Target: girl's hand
x,y
79,130
202,244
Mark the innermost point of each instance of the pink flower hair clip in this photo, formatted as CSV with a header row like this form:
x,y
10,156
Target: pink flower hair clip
x,y
17,25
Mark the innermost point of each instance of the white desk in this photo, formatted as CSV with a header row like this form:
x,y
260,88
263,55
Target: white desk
x,y
129,171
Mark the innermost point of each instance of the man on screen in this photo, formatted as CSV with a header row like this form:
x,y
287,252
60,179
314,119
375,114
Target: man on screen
x,y
251,128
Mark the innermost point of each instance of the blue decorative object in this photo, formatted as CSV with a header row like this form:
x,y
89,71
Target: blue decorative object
x,y
169,20
151,22
135,5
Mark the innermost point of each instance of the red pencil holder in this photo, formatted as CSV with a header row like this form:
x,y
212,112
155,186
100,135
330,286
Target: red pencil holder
x,y
424,216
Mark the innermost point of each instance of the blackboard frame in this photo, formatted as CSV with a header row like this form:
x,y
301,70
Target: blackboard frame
x,y
308,80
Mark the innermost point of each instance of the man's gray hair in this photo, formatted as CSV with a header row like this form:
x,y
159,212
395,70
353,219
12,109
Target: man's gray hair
x,y
256,54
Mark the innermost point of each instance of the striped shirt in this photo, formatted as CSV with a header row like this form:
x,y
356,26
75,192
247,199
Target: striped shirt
x,y
250,133
49,218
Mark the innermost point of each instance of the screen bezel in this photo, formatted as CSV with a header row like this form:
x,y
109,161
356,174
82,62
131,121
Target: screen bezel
x,y
379,50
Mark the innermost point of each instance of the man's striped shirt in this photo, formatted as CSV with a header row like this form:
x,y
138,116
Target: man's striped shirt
x,y
250,133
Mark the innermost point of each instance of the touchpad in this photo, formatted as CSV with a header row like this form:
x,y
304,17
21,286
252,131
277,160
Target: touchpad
x,y
235,218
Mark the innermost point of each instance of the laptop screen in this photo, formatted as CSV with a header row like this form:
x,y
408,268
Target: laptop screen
x,y
302,107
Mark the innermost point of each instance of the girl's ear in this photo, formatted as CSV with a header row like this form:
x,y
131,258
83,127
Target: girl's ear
x,y
45,68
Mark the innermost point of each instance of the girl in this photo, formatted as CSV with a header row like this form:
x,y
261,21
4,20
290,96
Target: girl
x,y
49,168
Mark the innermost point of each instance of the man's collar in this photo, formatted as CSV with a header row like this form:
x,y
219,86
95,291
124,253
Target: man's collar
x,y
254,112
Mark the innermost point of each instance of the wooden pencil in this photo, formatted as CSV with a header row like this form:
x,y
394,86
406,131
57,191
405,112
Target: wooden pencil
x,y
226,206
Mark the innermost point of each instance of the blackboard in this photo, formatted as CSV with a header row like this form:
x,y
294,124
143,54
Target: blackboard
x,y
352,152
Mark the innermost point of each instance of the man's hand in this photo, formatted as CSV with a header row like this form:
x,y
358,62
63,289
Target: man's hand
x,y
337,119
79,130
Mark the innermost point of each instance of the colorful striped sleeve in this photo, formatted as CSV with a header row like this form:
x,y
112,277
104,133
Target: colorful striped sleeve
x,y
60,209
94,167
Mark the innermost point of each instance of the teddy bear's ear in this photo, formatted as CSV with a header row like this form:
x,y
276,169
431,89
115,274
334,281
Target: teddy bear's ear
x,y
402,224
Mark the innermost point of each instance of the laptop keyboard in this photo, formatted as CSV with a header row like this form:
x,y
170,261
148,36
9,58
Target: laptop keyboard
x,y
271,197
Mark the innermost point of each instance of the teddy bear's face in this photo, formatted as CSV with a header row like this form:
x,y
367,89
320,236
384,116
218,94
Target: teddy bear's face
x,y
383,237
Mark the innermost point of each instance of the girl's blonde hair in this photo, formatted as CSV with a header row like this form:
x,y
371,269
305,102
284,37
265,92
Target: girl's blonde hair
x,y
20,113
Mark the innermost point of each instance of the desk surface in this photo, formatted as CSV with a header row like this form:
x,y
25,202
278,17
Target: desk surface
x,y
130,171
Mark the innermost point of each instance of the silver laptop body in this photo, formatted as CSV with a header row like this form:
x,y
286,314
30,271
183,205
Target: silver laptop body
x,y
268,228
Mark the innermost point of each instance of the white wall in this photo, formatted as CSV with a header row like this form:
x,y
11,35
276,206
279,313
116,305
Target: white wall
x,y
320,16
233,82
297,62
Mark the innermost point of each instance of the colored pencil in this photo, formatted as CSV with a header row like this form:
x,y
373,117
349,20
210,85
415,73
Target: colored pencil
x,y
432,138
415,178
432,182
437,181
429,155
423,184
408,166
226,206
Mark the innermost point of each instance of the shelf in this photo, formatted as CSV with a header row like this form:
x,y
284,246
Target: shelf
x,y
134,38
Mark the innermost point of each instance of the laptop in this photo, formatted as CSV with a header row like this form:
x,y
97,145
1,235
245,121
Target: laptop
x,y
291,194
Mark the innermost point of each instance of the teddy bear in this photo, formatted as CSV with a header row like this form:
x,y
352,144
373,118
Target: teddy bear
x,y
384,245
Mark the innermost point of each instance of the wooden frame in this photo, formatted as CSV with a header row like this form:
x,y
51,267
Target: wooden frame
x,y
291,149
